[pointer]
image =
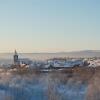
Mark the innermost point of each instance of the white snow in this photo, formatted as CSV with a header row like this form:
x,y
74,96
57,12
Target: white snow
x,y
94,63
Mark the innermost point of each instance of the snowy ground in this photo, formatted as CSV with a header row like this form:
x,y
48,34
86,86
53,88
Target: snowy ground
x,y
40,87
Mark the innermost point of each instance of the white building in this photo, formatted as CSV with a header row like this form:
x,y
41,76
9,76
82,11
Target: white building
x,y
65,63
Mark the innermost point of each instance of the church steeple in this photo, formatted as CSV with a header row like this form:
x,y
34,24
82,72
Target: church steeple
x,y
16,52
16,58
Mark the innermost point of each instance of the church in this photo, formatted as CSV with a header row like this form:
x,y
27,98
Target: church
x,y
20,61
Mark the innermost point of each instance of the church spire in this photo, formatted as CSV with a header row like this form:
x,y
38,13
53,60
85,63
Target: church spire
x,y
16,52
16,61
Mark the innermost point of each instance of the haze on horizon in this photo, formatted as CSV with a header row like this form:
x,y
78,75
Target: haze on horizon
x,y
49,25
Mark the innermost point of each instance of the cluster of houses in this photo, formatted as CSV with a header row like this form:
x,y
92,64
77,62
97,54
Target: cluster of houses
x,y
54,63
59,62
50,63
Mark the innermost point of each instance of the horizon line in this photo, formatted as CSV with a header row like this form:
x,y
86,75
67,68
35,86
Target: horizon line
x,y
53,52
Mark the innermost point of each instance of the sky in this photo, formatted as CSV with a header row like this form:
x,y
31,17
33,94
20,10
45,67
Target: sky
x,y
49,25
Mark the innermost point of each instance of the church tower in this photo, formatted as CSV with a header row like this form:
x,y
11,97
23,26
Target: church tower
x,y
16,58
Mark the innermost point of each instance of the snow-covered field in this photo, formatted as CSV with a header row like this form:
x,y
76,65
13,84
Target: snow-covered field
x,y
49,86
40,87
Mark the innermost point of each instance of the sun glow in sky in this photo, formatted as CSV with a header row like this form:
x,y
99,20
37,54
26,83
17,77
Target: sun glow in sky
x,y
49,25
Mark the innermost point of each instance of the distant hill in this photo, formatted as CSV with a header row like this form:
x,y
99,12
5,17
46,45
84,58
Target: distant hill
x,y
84,53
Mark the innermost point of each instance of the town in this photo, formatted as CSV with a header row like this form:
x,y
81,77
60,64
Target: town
x,y
49,65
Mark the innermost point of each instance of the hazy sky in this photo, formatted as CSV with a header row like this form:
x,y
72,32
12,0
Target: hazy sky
x,y
49,25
